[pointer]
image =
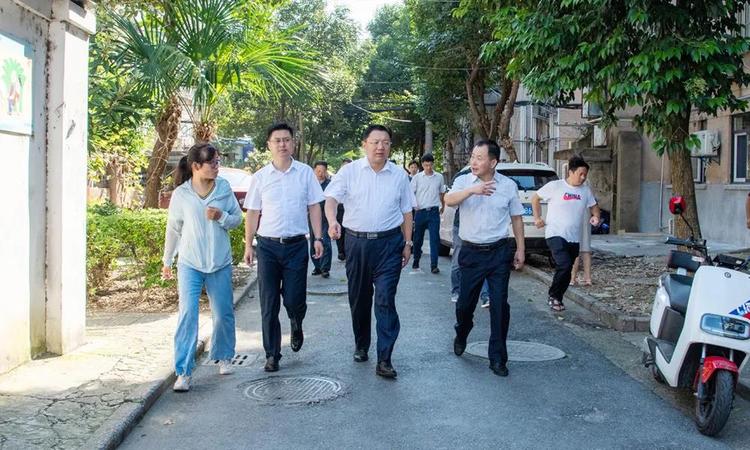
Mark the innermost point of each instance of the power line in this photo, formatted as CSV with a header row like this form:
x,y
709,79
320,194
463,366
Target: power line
x,y
383,116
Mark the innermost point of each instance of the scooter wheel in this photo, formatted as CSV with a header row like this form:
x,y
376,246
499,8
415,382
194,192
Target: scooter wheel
x,y
657,374
712,412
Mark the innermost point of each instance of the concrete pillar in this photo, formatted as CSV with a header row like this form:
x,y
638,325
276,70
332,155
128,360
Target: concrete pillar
x,y
427,137
67,108
628,148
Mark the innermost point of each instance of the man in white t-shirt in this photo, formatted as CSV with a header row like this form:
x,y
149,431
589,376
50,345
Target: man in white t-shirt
x,y
567,201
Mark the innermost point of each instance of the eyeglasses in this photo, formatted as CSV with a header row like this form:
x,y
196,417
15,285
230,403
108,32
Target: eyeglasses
x,y
214,162
376,143
280,140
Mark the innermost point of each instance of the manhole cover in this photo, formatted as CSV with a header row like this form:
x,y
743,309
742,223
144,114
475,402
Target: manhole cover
x,y
327,289
292,390
520,351
239,360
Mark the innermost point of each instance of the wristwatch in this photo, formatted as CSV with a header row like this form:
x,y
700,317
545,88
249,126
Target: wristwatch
x,y
409,243
320,239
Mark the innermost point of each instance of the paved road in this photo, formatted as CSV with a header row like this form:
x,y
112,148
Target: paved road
x,y
438,401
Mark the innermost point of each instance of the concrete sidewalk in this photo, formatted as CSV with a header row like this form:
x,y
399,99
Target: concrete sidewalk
x,y
91,397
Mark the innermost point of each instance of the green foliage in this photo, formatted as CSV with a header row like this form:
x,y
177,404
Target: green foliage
x,y
137,235
664,57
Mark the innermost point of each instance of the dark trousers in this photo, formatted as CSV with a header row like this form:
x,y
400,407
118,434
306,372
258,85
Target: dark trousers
x,y
427,219
374,266
494,266
564,253
282,272
341,242
324,262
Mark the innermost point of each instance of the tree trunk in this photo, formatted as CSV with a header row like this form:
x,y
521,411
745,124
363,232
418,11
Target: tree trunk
x,y
681,171
114,175
301,137
203,131
506,140
167,127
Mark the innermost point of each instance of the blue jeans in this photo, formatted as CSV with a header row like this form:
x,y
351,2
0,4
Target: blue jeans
x,y
190,284
456,272
324,262
427,219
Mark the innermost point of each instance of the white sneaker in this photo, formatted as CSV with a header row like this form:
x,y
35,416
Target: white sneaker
x,y
454,298
486,303
225,367
182,384
415,271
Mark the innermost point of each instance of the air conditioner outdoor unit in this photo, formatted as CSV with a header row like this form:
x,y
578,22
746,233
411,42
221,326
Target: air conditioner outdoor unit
x,y
600,136
709,144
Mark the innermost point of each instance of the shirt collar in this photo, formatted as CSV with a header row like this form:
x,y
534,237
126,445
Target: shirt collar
x,y
366,165
293,166
474,178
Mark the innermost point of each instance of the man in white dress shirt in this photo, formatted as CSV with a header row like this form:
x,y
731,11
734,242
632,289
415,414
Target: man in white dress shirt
x,y
378,221
429,188
285,191
489,203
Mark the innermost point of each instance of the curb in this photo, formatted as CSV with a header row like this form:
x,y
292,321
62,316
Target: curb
x,y
114,430
621,322
607,315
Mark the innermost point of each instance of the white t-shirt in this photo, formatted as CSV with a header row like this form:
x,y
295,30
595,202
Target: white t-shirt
x,y
427,189
566,206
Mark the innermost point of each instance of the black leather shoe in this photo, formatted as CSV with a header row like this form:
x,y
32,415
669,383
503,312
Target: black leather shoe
x,y
360,356
297,339
459,345
499,369
342,257
435,270
272,364
325,274
385,370
316,272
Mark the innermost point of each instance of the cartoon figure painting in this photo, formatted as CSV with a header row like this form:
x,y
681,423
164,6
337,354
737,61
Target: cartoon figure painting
x,y
15,85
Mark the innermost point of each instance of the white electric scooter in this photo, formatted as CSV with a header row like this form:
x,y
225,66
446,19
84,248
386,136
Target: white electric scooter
x,y
700,327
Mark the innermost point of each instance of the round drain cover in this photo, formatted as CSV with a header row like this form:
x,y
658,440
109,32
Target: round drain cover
x,y
291,390
520,351
327,289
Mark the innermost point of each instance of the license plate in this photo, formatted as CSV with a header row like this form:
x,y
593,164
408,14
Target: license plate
x,y
527,211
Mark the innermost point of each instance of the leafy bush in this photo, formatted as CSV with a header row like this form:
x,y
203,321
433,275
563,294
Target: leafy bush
x,y
137,235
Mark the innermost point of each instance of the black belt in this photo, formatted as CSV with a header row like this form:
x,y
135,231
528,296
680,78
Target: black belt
x,y
378,235
433,208
286,240
485,247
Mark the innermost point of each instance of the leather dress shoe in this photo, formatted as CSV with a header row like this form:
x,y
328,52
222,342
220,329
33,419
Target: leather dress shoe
x,y
459,345
297,338
272,364
385,370
499,369
325,274
360,356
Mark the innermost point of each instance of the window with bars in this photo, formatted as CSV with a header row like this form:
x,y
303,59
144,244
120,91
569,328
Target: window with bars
x,y
740,159
744,19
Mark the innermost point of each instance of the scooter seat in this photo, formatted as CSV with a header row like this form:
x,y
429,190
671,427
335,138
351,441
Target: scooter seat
x,y
678,288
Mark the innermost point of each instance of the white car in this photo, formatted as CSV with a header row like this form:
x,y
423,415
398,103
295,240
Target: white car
x,y
529,178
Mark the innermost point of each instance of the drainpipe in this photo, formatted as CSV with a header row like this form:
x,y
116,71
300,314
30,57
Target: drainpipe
x,y
661,196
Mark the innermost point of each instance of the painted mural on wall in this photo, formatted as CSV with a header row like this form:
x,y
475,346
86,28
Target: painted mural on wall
x,y
15,85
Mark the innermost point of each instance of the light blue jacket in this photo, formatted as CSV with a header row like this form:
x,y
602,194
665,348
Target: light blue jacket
x,y
201,244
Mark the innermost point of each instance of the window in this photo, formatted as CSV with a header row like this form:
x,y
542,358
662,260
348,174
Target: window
x,y
740,157
529,180
744,19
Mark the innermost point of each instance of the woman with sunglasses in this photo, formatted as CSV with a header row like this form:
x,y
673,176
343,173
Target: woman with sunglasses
x,y
202,210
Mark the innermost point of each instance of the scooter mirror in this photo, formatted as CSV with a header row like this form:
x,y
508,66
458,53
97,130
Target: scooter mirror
x,y
676,205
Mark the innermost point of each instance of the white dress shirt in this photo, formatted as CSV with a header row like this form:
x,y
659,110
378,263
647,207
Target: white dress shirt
x,y
375,201
486,218
283,199
427,189
202,244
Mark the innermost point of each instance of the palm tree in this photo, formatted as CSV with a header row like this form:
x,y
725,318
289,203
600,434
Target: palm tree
x,y
200,47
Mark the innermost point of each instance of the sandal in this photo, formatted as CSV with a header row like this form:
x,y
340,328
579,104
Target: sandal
x,y
586,282
573,282
555,305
